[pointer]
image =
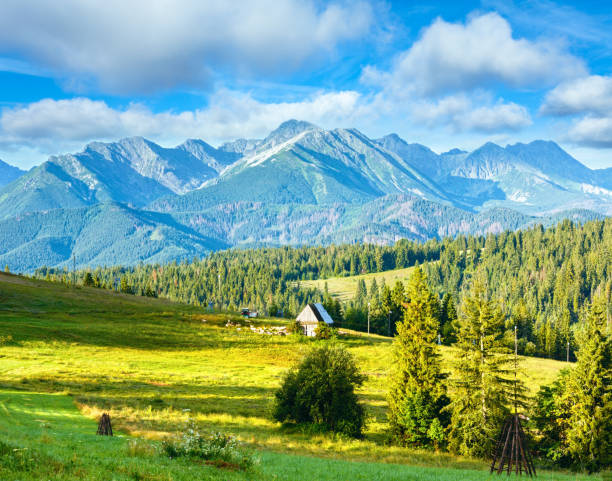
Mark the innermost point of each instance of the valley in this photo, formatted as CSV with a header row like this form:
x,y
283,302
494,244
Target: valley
x,y
153,364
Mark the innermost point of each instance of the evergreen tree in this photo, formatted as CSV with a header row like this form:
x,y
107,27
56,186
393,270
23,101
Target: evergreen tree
x,y
88,280
448,319
480,376
362,292
588,394
417,396
374,290
125,287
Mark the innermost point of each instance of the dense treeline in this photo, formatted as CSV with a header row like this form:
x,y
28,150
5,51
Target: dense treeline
x,y
266,279
541,277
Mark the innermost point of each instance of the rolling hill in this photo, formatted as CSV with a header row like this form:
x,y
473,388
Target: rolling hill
x,y
343,288
153,365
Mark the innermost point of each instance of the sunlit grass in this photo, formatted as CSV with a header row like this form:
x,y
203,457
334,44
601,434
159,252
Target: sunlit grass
x,y
344,288
153,365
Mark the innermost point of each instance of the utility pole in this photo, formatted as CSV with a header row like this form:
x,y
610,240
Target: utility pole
x,y
368,318
567,359
389,323
73,270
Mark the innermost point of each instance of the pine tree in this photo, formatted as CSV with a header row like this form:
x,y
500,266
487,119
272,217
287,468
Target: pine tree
x,y
448,319
418,394
362,293
125,287
88,280
480,376
373,290
588,394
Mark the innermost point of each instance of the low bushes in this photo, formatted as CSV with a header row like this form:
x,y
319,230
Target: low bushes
x,y
217,449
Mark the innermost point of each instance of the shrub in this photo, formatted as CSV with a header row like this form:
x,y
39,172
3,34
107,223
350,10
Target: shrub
x,y
321,391
295,327
217,449
324,331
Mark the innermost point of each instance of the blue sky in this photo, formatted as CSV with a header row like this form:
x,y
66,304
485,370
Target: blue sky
x,y
445,74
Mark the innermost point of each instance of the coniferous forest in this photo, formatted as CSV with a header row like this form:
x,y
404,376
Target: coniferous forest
x,y
542,279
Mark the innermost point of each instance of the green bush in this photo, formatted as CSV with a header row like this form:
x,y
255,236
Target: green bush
x,y
324,331
321,392
217,448
294,327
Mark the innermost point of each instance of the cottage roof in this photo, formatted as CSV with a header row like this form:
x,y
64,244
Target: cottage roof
x,y
314,313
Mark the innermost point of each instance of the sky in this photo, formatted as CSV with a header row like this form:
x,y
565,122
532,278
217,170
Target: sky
x,y
444,74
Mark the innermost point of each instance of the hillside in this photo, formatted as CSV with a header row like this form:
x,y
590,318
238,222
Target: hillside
x,y
152,364
343,288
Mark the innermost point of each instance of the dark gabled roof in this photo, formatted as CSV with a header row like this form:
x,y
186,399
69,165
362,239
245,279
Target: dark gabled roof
x,y
316,312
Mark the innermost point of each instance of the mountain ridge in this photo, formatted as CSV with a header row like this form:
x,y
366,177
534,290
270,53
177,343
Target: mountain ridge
x,y
299,184
8,173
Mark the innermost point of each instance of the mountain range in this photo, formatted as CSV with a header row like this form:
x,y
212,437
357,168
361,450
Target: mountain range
x,y
134,201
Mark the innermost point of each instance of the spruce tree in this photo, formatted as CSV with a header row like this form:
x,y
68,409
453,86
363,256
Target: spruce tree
x,y
448,319
480,376
588,394
88,280
418,394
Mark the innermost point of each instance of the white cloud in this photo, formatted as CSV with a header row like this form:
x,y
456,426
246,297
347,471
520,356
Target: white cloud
x,y
150,45
478,54
494,118
589,101
49,123
592,95
464,113
592,131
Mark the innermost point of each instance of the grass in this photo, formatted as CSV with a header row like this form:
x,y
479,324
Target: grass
x,y
343,288
153,365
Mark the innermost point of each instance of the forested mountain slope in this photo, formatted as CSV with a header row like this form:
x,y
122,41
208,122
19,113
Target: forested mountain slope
x,y
542,276
300,185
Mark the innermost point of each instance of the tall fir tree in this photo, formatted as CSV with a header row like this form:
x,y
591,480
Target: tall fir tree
x,y
588,395
417,396
481,376
448,320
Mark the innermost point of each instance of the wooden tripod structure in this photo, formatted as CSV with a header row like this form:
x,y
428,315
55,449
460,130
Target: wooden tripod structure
x,y
511,452
104,427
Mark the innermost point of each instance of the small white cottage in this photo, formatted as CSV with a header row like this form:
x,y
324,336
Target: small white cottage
x,y
310,317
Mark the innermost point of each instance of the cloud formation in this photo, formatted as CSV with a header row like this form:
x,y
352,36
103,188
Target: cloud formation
x,y
230,115
589,98
478,54
151,45
591,95
592,132
466,113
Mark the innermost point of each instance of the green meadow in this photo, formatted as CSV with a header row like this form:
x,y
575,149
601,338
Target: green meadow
x,y
69,354
343,288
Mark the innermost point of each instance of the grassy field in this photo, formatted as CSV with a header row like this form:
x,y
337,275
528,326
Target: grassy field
x,y
67,354
343,288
